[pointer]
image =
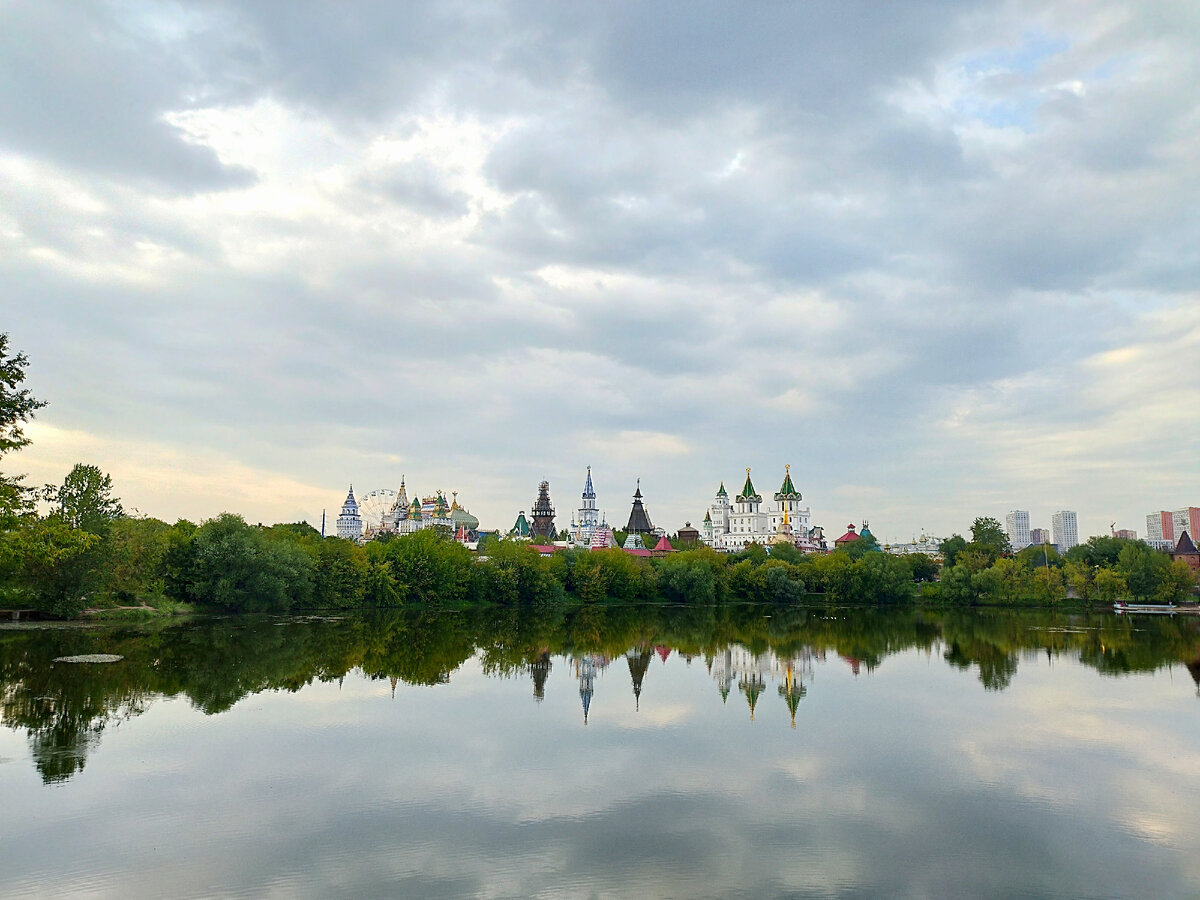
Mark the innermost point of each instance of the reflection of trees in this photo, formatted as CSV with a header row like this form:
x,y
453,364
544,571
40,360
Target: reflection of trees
x,y
996,668
66,708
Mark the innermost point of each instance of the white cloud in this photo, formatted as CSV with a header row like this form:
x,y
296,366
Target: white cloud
x,y
956,269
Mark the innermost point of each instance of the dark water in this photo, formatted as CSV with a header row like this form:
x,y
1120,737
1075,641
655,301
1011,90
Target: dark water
x,y
737,751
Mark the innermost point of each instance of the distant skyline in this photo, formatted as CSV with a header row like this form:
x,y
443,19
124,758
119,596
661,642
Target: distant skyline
x,y
939,257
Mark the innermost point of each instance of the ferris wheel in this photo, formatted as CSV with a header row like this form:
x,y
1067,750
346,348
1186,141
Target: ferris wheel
x,y
374,505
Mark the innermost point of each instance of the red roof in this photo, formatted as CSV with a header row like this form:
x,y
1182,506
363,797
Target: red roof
x,y
639,552
848,536
663,546
544,549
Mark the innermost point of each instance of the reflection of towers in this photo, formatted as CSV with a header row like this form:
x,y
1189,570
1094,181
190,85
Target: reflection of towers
x,y
639,661
792,690
722,671
751,684
540,669
585,668
1194,670
751,672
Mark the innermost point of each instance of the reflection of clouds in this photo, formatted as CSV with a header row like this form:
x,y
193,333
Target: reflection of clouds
x,y
661,716
1113,757
475,788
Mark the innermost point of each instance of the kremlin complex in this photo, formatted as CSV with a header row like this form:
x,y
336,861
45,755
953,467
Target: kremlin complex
x,y
728,525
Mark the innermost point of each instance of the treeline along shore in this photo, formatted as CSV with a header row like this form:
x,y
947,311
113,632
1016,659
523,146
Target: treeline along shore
x,y
70,547
76,562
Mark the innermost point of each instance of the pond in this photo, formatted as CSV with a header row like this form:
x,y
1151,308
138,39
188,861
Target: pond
x,y
605,752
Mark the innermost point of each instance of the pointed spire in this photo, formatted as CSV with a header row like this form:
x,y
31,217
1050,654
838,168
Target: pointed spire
x,y
638,663
588,492
787,490
792,692
639,519
540,669
748,493
721,489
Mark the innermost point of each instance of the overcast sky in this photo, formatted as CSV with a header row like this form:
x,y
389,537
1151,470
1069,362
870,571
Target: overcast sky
x,y
941,257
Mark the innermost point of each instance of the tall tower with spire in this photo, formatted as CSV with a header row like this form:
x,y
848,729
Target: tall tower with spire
x,y
349,522
639,521
718,516
588,518
399,511
543,514
747,522
789,517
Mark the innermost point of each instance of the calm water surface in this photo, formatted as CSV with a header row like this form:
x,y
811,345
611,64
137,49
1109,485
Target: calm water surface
x,y
717,752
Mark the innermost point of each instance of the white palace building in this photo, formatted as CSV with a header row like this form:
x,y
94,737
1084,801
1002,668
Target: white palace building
x,y
734,526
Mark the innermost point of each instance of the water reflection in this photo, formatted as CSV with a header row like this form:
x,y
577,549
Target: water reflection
x,y
728,751
65,709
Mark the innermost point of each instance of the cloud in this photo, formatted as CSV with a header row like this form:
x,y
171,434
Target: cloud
x,y
501,242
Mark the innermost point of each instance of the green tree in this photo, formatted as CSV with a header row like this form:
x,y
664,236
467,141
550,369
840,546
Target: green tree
x,y
951,547
924,566
860,548
1110,585
55,563
1081,576
85,499
988,536
1142,568
340,576
1175,583
17,406
178,564
1098,550
431,566
238,569
1037,555
131,558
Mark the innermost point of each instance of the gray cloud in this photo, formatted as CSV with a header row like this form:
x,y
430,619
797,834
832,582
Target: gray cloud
x,y
418,234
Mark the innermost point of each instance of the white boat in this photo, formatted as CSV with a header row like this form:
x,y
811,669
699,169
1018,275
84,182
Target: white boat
x,y
1161,608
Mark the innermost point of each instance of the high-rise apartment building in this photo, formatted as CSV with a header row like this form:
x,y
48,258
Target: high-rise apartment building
x,y
1016,523
1160,526
1039,536
1186,519
1065,530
